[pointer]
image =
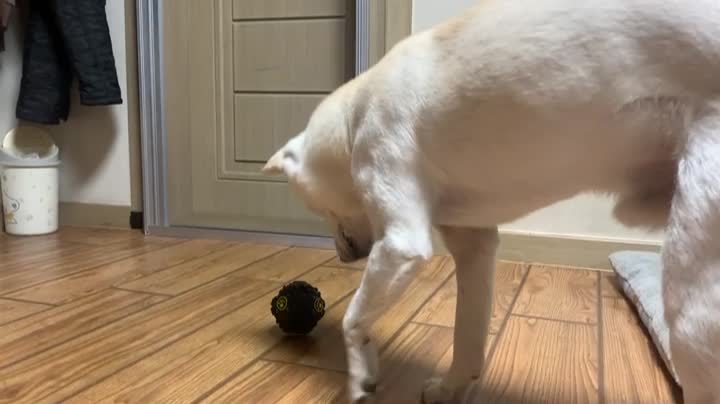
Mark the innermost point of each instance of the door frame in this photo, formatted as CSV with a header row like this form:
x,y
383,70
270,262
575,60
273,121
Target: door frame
x,y
379,24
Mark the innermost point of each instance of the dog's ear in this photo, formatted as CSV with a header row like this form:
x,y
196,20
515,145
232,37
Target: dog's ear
x,y
275,166
287,159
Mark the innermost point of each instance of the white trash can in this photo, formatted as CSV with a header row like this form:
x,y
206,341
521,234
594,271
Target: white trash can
x,y
29,161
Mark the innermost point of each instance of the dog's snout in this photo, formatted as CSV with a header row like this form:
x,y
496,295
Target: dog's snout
x,y
346,257
344,252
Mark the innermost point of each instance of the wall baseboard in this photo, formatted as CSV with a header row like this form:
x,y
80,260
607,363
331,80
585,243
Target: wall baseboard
x,y
558,250
531,248
564,251
92,215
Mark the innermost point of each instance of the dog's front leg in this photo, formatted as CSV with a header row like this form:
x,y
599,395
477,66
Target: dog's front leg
x,y
392,264
403,233
474,253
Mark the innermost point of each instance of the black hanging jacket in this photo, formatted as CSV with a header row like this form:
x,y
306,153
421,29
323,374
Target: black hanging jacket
x,y
66,39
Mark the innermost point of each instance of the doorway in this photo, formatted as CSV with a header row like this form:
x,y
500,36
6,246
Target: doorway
x,y
233,81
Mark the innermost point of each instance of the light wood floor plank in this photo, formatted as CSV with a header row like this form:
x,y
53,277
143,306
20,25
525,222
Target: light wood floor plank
x,y
321,387
411,359
183,277
286,265
100,236
23,256
274,382
444,364
610,285
559,294
16,248
64,262
62,371
440,310
354,265
88,282
542,361
633,371
327,350
195,364
54,326
11,310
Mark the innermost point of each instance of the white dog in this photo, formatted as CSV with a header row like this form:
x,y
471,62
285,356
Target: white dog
x,y
511,107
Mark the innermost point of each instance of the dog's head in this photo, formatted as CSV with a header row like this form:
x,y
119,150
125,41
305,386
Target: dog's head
x,y
317,165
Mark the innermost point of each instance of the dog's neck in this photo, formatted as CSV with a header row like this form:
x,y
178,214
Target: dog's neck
x,y
328,147
331,132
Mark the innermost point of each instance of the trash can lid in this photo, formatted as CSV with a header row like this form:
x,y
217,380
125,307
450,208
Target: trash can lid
x,y
28,146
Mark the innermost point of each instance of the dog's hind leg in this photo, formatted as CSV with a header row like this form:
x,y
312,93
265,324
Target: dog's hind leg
x,y
474,253
691,259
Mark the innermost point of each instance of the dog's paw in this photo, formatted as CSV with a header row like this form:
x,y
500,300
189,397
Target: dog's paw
x,y
363,371
436,391
363,392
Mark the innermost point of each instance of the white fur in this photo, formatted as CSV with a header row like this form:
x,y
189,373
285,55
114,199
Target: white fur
x,y
511,107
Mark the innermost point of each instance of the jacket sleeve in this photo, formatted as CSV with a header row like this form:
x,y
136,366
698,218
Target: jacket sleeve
x,y
46,72
85,33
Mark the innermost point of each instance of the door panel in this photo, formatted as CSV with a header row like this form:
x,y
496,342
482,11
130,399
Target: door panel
x,y
301,56
265,122
255,9
236,90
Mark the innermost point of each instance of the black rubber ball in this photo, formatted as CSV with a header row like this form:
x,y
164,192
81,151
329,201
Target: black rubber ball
x,y
298,307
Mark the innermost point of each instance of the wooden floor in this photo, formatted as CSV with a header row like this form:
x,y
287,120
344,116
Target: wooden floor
x,y
91,316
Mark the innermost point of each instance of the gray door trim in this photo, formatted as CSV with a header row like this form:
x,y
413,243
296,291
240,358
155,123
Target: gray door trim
x,y
362,35
152,119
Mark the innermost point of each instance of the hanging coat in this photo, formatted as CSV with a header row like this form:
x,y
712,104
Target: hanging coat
x,y
66,39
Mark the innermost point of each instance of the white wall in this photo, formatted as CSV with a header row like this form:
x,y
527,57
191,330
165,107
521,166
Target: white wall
x,y
585,216
94,140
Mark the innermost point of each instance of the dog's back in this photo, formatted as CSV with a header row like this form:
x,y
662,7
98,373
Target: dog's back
x,y
536,101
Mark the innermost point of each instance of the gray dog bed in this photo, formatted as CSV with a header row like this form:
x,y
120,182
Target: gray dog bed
x,y
640,274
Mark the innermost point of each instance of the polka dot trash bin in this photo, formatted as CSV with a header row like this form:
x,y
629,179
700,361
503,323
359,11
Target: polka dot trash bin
x,y
29,161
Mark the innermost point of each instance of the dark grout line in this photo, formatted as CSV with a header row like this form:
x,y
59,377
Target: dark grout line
x,y
342,266
600,347
282,362
449,327
15,299
503,325
24,317
555,320
572,267
142,292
